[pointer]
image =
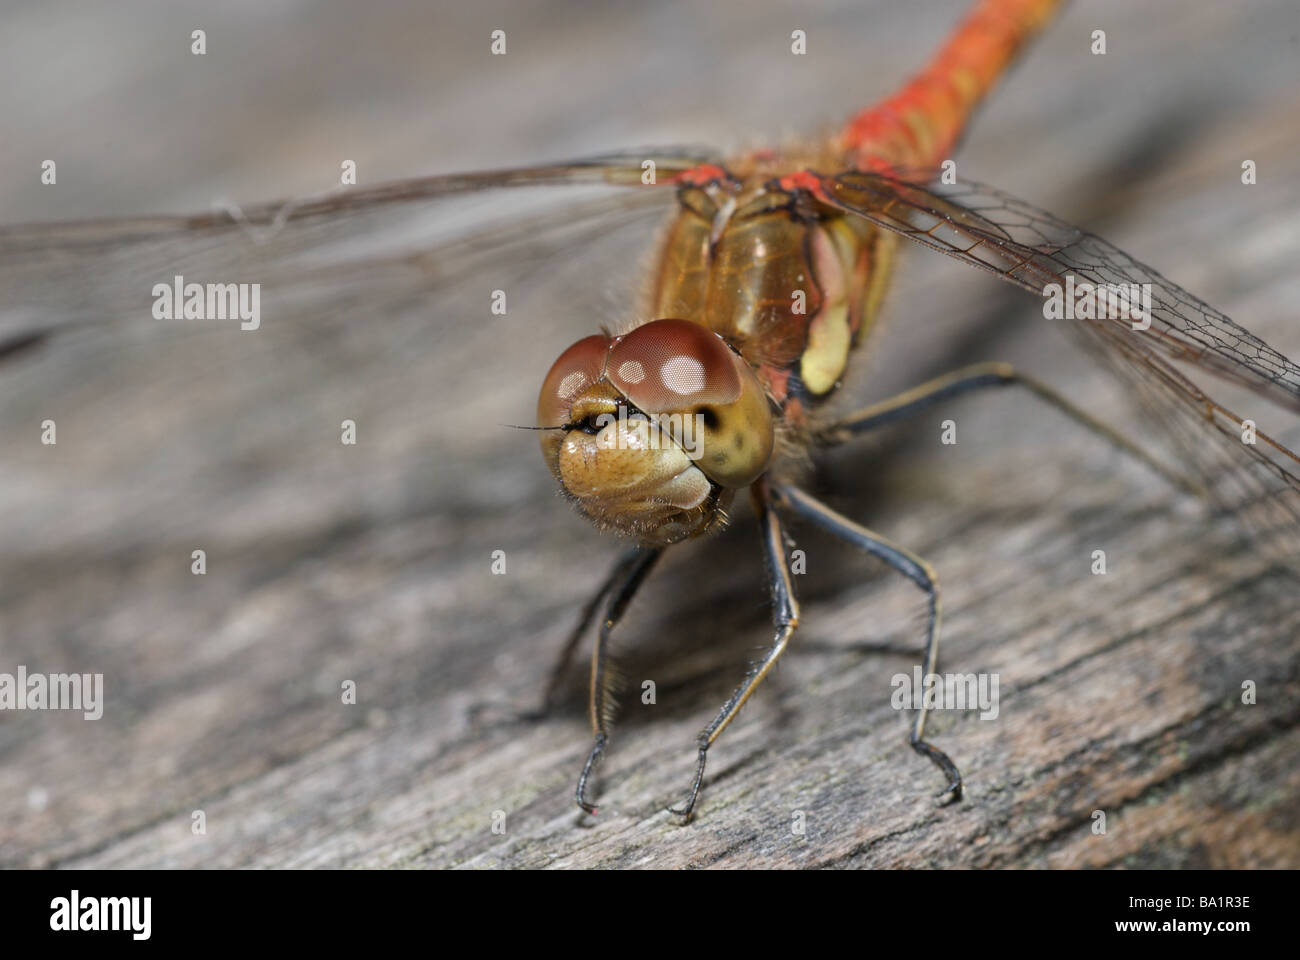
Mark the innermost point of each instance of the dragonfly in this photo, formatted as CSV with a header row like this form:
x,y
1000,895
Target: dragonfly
x,y
768,280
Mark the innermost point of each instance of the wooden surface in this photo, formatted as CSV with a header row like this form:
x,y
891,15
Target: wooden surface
x,y
372,563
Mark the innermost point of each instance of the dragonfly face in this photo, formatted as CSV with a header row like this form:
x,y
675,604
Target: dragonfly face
x,y
651,433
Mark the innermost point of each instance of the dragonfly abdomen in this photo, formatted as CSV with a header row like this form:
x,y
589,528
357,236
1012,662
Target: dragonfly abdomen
x,y
918,127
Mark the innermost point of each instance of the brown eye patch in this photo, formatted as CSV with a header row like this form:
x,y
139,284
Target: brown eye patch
x,y
671,365
577,368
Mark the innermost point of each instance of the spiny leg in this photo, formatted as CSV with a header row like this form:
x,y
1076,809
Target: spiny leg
x,y
978,376
561,666
785,617
910,566
621,587
515,713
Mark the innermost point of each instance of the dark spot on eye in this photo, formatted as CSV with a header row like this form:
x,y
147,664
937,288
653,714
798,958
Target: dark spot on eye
x,y
711,419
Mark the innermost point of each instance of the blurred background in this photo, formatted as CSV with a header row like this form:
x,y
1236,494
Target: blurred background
x,y
372,563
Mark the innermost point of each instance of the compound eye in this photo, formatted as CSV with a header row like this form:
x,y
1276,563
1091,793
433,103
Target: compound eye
x,y
669,366
713,403
578,367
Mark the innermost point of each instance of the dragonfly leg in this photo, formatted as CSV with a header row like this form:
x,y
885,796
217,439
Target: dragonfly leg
x,y
516,713
978,376
910,566
785,617
561,666
622,585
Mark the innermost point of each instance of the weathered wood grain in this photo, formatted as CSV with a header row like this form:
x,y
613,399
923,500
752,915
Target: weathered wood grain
x,y
372,563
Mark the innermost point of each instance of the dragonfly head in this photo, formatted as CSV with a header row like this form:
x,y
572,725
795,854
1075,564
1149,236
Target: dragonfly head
x,y
657,429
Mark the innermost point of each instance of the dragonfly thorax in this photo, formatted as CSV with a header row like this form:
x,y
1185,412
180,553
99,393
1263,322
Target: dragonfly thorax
x,y
792,284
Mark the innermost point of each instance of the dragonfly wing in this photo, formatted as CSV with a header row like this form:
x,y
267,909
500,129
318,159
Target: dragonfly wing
x,y
383,316
59,276
616,170
1026,246
985,228
1257,482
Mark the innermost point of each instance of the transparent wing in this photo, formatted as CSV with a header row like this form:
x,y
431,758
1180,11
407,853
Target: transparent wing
x,y
620,170
1032,249
1245,471
376,308
63,275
